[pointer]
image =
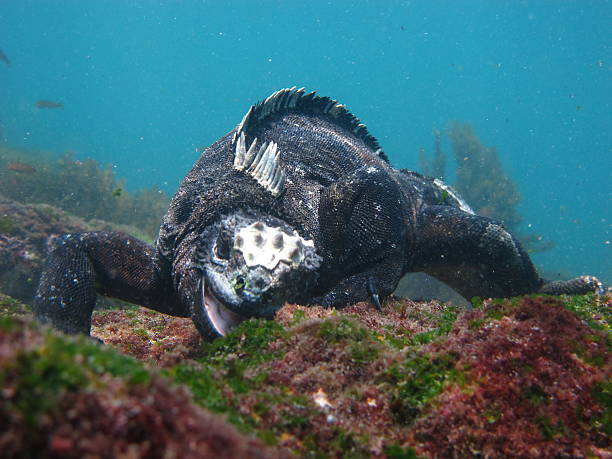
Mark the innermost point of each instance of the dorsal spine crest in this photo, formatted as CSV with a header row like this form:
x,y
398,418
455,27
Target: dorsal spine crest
x,y
260,163
296,99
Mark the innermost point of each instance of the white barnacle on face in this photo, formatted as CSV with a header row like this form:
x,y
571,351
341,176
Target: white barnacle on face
x,y
263,245
251,265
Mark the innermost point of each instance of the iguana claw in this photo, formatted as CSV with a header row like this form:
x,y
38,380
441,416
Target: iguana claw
x,y
371,288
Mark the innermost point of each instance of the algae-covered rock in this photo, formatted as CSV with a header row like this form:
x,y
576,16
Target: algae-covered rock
x,y
527,377
522,378
69,397
24,230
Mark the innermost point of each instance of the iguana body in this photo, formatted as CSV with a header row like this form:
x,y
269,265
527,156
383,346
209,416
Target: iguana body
x,y
297,203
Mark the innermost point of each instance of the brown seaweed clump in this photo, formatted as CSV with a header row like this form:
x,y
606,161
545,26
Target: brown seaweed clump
x,y
70,398
481,179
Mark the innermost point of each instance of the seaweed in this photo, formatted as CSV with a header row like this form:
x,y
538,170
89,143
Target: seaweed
x,y
522,377
80,187
70,397
482,181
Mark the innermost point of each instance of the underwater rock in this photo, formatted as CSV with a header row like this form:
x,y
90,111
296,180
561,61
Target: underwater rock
x,y
24,229
66,397
527,377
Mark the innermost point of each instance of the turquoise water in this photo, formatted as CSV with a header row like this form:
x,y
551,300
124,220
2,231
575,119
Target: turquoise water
x,y
144,83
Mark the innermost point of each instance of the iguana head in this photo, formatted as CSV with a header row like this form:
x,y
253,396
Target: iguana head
x,y
250,265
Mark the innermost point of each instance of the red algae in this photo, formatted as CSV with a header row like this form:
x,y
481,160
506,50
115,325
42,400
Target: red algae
x,y
148,335
516,378
59,399
528,386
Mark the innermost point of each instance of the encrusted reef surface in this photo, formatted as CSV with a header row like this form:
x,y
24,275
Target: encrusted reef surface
x,y
24,229
525,377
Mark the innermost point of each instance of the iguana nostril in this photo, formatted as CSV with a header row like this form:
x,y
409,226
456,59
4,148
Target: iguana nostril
x,y
278,242
294,255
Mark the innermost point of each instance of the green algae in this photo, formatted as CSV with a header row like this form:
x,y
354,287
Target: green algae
x,y
397,452
444,321
223,368
7,225
41,375
602,392
10,307
591,309
360,342
415,382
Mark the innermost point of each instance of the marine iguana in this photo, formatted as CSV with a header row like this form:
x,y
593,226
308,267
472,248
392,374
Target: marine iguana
x,y
297,203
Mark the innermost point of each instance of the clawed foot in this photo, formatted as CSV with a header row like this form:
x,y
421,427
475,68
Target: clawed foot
x,y
576,286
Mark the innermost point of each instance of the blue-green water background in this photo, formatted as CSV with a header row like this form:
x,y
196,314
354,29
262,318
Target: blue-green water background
x,y
146,82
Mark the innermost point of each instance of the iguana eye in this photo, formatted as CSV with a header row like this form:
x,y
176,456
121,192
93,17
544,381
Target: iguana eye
x,y
223,247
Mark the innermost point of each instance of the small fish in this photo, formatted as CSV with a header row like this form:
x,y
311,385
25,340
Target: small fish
x,y
49,104
4,58
578,107
117,192
23,168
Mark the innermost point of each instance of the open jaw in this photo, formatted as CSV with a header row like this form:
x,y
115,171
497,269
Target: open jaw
x,y
221,318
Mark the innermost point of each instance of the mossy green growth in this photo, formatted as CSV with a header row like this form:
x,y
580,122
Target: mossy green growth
x,y
7,225
10,307
357,339
397,452
416,381
248,341
442,320
602,392
594,312
445,320
222,370
42,374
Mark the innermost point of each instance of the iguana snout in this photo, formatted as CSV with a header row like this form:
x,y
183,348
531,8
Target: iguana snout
x,y
251,264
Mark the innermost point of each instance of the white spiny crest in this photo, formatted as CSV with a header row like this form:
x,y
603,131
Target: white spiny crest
x,y
260,163
464,206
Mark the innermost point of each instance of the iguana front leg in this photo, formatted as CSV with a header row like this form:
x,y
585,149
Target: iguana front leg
x,y
113,264
363,228
375,284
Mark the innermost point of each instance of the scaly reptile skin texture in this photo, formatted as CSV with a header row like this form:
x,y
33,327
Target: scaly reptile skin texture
x,y
325,180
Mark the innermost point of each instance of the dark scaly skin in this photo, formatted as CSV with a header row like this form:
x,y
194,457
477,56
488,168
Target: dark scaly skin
x,y
370,224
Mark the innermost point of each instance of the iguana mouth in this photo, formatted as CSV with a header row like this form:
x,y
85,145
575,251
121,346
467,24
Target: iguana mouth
x,y
222,319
